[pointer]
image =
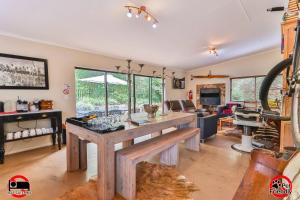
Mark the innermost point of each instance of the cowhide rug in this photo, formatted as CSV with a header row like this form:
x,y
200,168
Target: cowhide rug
x,y
154,182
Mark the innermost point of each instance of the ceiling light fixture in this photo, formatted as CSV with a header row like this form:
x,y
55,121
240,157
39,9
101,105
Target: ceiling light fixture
x,y
138,11
129,13
149,18
213,51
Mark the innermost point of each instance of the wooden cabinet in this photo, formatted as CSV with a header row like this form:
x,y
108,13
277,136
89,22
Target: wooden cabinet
x,y
288,33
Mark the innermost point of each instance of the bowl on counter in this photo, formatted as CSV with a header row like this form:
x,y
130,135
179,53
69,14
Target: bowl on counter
x,y
151,110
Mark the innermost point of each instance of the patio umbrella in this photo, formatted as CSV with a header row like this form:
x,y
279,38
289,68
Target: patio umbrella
x,y
100,79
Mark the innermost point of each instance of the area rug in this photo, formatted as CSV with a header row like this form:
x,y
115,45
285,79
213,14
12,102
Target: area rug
x,y
154,182
234,132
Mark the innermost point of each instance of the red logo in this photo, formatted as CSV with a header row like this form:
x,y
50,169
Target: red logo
x,y
18,186
281,186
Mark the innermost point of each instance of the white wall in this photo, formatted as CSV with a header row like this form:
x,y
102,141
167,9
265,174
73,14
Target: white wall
x,y
61,63
256,64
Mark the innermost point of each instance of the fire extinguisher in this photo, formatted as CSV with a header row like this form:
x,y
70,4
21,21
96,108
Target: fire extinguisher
x,y
190,94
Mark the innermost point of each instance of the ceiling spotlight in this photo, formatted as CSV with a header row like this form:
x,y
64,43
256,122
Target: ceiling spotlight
x,y
154,25
148,18
129,13
138,11
213,51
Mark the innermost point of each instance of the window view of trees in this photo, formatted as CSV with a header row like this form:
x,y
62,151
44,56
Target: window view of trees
x,y
148,90
117,93
90,96
142,92
243,89
247,89
156,91
91,86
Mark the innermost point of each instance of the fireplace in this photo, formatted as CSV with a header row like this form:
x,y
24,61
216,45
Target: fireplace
x,y
210,96
219,86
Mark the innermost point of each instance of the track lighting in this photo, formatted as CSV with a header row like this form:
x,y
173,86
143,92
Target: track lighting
x,y
213,51
154,25
129,13
138,11
148,18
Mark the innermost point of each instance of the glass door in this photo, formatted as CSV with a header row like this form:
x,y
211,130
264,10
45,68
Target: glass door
x,y
142,92
117,93
156,91
90,92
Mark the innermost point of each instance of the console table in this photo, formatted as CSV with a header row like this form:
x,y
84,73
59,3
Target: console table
x,y
56,123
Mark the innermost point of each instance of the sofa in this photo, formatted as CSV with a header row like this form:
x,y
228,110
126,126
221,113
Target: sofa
x,y
208,123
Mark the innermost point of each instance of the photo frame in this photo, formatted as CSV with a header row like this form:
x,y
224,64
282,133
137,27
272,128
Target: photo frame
x,y
21,72
179,83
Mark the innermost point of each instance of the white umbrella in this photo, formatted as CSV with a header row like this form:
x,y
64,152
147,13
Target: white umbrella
x,y
100,79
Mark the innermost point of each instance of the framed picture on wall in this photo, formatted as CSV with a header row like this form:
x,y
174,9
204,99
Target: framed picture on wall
x,y
20,72
178,83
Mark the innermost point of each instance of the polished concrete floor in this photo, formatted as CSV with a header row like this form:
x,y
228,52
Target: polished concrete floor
x,y
217,170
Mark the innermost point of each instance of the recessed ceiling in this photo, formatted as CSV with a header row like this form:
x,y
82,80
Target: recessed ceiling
x,y
186,28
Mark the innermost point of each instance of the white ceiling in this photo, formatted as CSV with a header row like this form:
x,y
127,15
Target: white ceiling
x,y
186,28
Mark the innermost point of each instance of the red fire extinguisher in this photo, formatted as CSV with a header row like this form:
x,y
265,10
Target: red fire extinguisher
x,y
190,94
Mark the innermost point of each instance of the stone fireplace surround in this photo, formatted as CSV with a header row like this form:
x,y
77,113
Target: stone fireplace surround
x,y
221,86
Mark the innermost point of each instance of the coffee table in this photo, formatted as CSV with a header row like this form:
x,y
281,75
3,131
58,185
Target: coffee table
x,y
225,120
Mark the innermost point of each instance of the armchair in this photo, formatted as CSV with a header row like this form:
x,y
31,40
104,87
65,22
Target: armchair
x,y
207,123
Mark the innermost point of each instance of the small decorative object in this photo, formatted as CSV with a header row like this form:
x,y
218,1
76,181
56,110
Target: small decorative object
x,y
9,136
178,83
34,106
209,76
25,133
22,106
19,72
17,135
32,132
151,110
39,131
141,12
66,90
44,131
9,106
46,105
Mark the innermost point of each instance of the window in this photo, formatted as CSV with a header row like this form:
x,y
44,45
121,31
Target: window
x,y
117,93
90,92
106,93
247,88
156,93
142,92
243,89
148,90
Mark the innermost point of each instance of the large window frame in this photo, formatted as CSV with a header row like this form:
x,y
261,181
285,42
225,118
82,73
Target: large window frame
x,y
133,87
255,87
